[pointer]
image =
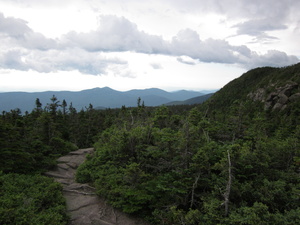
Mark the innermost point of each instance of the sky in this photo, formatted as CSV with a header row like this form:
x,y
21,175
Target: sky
x,y
169,44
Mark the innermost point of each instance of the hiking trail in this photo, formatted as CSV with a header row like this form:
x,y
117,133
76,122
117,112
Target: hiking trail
x,y
83,205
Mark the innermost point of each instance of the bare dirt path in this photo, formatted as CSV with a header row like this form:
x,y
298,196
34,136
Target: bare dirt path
x,y
83,205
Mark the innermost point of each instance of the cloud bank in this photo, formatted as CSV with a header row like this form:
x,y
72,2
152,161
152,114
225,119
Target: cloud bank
x,y
24,49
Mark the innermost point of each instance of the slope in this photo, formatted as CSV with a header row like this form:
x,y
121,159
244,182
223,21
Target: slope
x,y
192,101
265,85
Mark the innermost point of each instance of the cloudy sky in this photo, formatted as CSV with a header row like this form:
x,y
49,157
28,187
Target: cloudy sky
x,y
134,44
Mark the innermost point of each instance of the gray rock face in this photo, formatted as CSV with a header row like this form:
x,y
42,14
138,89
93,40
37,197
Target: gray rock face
x,y
278,99
259,95
83,205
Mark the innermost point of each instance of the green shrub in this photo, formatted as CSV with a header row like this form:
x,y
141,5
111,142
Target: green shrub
x,y
31,199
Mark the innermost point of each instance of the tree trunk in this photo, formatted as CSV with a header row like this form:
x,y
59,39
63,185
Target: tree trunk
x,y
193,190
228,186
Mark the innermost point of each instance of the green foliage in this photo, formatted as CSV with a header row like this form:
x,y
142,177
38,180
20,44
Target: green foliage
x,y
60,146
30,144
27,199
227,161
178,173
188,166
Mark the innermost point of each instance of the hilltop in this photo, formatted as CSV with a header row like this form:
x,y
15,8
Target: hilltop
x,y
275,88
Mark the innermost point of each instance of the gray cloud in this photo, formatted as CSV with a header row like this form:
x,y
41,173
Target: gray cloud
x,y
259,17
25,49
15,32
187,42
297,28
120,34
73,59
272,58
262,17
33,40
54,60
13,27
258,27
239,9
12,59
41,4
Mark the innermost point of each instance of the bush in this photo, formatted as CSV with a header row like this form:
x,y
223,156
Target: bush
x,y
31,199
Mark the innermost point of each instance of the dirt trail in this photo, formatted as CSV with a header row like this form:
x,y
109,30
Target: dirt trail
x,y
83,205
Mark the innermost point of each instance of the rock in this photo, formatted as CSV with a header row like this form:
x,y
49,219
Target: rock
x,y
283,107
82,151
279,98
72,165
268,105
271,96
78,202
283,99
63,166
258,95
294,97
277,106
59,175
288,88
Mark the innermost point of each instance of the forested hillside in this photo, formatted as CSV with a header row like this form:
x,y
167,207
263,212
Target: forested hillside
x,y
234,159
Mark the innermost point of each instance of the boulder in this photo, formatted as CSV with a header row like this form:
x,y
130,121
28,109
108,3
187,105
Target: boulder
x,y
283,99
277,106
294,97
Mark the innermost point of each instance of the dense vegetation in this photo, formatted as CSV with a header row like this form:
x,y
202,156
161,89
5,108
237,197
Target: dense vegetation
x,y
29,145
31,199
227,161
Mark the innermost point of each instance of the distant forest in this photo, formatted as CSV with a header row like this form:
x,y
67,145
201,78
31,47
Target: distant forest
x,y
230,160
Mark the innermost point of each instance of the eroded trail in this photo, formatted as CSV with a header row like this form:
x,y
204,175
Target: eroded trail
x,y
83,205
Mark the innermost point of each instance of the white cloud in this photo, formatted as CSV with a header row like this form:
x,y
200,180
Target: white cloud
x,y
119,34
187,60
82,51
130,36
115,34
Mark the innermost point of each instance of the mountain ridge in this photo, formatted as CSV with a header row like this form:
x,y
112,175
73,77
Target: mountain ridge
x,y
105,97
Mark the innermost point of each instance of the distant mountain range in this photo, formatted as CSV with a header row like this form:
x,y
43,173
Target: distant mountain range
x,y
100,98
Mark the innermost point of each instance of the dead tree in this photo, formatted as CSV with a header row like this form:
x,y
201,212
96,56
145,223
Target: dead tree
x,y
228,186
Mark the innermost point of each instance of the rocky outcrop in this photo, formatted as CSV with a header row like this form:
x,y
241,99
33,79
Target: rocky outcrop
x,y
279,98
258,95
83,205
